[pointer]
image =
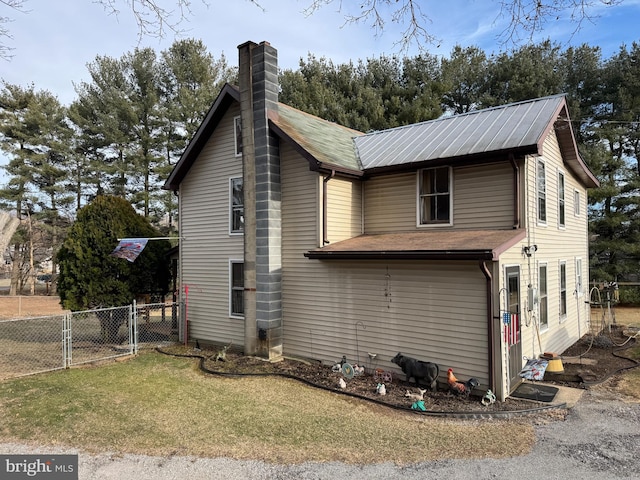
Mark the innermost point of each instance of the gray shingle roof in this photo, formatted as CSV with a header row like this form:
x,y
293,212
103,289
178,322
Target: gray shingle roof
x,y
327,143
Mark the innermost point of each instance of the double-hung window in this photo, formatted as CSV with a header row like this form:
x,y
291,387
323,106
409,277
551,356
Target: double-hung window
x,y
237,126
563,290
542,192
543,296
236,288
579,289
236,207
561,202
434,196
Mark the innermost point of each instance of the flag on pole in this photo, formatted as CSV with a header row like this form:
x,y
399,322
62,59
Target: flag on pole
x,y
129,248
511,328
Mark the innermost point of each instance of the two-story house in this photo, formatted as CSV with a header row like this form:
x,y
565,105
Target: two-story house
x,y
461,241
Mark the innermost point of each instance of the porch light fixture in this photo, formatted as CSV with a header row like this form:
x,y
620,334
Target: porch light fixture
x,y
530,250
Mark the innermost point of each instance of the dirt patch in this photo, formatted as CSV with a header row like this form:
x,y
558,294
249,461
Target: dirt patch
x,y
595,358
29,306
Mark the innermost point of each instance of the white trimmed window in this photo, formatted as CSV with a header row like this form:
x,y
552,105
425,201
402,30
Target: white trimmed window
x,y
542,192
563,289
579,284
236,205
237,128
236,288
434,196
561,200
576,203
543,296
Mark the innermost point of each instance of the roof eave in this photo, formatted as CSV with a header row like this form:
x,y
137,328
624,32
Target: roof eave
x,y
402,255
225,98
567,142
467,160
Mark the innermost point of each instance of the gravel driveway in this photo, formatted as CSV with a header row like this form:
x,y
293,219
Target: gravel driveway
x,y
600,439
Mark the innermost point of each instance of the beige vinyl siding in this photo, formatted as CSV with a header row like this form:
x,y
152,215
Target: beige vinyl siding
x,y
433,311
390,203
482,198
554,245
344,209
206,245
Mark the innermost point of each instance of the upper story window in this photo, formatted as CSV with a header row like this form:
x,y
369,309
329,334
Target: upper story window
x,y
576,203
237,126
542,192
561,202
434,196
236,205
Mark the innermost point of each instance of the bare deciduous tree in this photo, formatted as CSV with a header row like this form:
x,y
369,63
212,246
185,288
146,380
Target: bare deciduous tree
x,y
526,17
18,6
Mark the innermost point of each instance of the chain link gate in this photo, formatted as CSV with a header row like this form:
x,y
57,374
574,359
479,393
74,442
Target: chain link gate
x,y
41,344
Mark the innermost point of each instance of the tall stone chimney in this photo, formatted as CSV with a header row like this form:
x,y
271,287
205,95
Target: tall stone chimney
x,y
258,75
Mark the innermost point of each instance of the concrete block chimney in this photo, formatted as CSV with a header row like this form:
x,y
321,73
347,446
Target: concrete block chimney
x,y
258,75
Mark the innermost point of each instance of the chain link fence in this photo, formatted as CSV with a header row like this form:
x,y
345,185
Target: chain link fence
x,y
39,344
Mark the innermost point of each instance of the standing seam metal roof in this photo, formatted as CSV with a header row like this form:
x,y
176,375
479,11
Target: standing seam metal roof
x,y
506,127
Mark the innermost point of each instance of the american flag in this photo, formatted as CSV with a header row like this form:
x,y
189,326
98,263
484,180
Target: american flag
x,y
511,328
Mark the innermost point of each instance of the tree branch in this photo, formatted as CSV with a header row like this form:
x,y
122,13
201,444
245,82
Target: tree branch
x,y
405,12
528,17
17,5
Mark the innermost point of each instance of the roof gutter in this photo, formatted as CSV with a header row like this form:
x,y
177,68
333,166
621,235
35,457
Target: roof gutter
x,y
490,324
401,255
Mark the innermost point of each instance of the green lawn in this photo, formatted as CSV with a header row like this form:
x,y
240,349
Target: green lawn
x,y
160,405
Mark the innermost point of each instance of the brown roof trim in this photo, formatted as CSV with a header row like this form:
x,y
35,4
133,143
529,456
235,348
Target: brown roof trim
x,y
561,123
226,97
416,255
454,245
497,156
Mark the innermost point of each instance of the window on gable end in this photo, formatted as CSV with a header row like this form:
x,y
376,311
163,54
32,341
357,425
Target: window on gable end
x,y
434,196
561,201
237,126
542,192
236,207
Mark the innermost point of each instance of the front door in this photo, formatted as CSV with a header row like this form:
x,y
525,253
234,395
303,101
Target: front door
x,y
511,325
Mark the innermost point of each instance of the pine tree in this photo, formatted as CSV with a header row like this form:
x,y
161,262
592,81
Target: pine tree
x,y
90,277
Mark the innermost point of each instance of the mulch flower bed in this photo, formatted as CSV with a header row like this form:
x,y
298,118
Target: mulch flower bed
x,y
597,361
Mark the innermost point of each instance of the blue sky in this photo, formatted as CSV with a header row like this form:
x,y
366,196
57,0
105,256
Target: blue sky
x,y
54,40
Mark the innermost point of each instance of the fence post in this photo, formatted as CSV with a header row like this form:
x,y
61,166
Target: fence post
x,y
133,327
67,347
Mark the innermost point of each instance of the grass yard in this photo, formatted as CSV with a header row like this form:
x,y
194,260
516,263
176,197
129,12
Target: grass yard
x,y
159,405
